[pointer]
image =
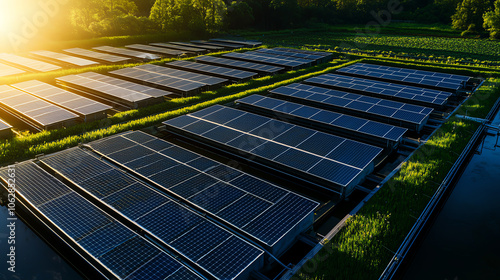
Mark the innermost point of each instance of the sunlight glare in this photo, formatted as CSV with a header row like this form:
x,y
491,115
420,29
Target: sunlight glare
x,y
9,15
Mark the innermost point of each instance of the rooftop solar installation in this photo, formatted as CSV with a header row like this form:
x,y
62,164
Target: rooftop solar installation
x,y
101,57
400,114
123,96
343,125
217,71
128,85
332,163
177,85
6,70
219,44
207,47
35,111
420,78
307,62
128,53
157,50
269,214
121,253
66,59
312,57
240,65
409,94
28,63
211,249
211,81
191,50
289,65
87,109
250,44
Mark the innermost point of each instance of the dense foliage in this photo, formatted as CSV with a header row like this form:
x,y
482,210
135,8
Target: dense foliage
x,y
492,21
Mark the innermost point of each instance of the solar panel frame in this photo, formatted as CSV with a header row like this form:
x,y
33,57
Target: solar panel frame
x,y
97,56
408,94
240,65
289,65
87,109
381,110
324,120
29,188
28,63
157,50
216,71
127,53
63,58
211,174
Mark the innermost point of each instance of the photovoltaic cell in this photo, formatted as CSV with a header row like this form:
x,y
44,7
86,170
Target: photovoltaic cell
x,y
158,50
216,71
201,46
241,65
6,70
186,49
284,57
59,57
28,63
101,57
251,44
312,57
190,76
127,53
287,64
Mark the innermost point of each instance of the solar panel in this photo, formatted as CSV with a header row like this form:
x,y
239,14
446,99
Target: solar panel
x,y
101,57
177,85
126,97
178,228
63,58
118,249
153,49
5,129
201,46
6,70
34,110
186,49
287,64
343,125
217,71
313,57
228,194
419,78
211,81
307,62
400,114
241,65
219,44
324,54
127,53
279,145
408,94
86,108
127,85
250,44
28,63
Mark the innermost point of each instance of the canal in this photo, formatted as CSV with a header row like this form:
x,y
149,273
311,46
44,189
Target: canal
x,y
463,242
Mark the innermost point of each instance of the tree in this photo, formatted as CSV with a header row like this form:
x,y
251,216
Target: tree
x,y
469,14
239,15
492,21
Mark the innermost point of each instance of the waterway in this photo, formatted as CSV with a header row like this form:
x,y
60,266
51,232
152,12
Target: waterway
x,y
464,240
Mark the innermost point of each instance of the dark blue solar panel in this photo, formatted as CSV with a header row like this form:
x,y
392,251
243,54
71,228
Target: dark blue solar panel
x,y
258,187
376,128
384,111
203,163
294,136
157,145
350,122
344,153
173,176
325,116
194,185
222,134
130,154
246,142
362,106
296,159
179,154
143,161
224,195
106,238
305,112
409,116
222,116
156,167
269,150
158,268
223,172
105,183
335,171
246,122
242,211
200,127
271,129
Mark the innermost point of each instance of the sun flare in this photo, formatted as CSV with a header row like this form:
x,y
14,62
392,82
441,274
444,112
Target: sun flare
x,y
10,12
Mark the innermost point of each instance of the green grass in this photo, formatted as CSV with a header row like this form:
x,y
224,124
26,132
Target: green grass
x,y
364,247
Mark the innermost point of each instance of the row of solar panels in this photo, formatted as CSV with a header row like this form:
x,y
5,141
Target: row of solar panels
x,y
76,57
226,221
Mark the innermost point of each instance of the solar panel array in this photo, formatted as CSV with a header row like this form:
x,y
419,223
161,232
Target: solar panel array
x,y
213,249
250,44
86,108
28,63
177,85
289,65
305,56
334,163
192,50
325,54
404,93
400,114
6,70
4,128
306,62
153,49
211,81
101,57
254,206
59,57
34,110
126,97
128,85
217,71
357,128
241,65
120,250
219,44
411,76
201,46
127,53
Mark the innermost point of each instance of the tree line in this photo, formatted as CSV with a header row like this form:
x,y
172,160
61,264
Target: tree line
x,y
130,17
